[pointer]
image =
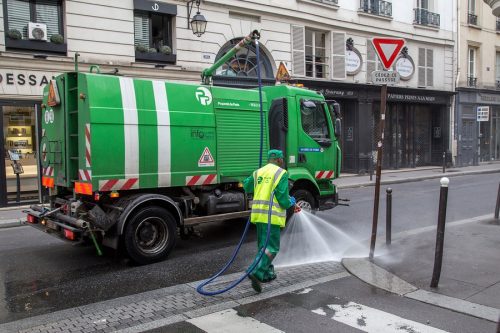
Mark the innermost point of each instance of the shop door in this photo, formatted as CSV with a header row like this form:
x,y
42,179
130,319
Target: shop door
x,y
468,141
20,143
495,135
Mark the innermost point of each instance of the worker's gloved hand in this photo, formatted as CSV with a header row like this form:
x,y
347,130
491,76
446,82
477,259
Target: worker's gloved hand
x,y
293,201
296,209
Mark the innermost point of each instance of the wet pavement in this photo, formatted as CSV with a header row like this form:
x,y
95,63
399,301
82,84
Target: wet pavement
x,y
40,274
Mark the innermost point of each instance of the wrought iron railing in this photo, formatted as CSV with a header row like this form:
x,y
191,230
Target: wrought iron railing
x,y
376,7
471,81
498,25
498,84
425,17
472,19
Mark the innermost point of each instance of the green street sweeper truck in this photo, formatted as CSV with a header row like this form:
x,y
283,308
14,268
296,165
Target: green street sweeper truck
x,y
134,163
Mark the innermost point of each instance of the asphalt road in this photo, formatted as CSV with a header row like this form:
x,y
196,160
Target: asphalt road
x,y
40,274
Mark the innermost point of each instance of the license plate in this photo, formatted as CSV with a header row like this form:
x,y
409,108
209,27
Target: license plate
x,y
51,225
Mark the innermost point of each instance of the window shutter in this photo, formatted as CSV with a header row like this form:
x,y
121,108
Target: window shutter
x,y
18,14
421,67
338,55
298,51
141,29
47,12
371,61
430,67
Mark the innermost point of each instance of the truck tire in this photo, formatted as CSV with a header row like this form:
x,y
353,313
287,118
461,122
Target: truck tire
x,y
305,200
150,235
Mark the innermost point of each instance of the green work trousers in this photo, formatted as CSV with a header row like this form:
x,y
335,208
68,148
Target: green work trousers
x,y
264,271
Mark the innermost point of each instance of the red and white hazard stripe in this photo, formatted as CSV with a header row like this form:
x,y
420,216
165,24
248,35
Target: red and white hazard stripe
x,y
118,184
87,145
85,175
201,180
48,171
324,174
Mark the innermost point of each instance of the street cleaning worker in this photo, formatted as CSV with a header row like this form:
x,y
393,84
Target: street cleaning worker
x,y
271,177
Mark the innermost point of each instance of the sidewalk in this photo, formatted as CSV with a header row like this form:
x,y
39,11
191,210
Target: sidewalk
x,y
12,217
470,274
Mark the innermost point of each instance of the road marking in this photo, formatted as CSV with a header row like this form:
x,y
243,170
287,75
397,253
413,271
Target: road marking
x,y
229,321
369,319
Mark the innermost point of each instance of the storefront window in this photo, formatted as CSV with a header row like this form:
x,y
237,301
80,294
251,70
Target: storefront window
x,y
20,140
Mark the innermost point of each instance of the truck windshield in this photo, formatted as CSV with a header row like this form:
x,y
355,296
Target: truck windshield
x,y
314,120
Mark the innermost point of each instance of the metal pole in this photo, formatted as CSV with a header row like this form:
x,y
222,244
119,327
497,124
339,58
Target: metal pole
x,y
383,99
388,217
18,184
497,208
444,161
371,167
438,257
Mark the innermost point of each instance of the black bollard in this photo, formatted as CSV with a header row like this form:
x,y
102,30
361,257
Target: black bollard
x,y
371,168
438,257
497,208
388,216
18,185
444,161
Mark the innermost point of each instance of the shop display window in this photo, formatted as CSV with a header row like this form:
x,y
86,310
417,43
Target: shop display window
x,y
20,138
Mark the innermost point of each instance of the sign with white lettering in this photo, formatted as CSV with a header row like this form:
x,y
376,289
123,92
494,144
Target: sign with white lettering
x,y
19,82
483,113
385,77
405,68
353,62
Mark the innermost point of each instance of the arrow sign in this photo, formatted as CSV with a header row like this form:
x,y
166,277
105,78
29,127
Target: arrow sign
x,y
388,49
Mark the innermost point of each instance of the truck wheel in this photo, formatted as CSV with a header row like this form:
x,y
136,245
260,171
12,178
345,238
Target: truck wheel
x,y
305,200
150,235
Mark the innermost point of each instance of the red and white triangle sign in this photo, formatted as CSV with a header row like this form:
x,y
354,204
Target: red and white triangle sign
x,y
388,49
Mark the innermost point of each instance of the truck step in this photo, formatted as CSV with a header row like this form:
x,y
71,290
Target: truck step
x,y
191,221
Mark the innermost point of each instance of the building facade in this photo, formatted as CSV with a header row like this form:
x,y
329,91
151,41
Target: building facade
x,y
478,89
326,45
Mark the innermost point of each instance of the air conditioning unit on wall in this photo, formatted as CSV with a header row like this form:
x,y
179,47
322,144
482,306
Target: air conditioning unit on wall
x,y
37,31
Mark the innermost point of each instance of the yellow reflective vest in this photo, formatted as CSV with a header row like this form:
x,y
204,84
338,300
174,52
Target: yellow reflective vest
x,y
265,181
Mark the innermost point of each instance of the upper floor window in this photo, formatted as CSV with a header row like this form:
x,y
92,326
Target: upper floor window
x,y
315,53
472,13
497,70
471,68
376,7
153,31
34,25
424,14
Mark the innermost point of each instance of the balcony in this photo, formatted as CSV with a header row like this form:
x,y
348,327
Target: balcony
x,y
471,81
497,84
472,19
495,6
425,17
328,2
498,25
376,7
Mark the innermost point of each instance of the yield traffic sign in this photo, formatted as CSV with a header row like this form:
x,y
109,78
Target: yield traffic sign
x,y
388,49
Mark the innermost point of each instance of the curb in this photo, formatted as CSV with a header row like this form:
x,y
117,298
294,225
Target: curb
x,y
11,223
378,277
413,179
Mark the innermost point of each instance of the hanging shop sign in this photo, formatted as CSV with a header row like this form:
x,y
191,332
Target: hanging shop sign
x,y
353,62
483,113
19,82
405,67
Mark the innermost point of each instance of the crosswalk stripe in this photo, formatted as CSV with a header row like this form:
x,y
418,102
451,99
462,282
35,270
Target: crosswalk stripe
x,y
228,321
372,320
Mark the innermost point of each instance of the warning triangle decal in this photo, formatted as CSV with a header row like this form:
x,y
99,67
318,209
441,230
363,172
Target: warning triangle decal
x,y
388,49
206,159
282,74
53,99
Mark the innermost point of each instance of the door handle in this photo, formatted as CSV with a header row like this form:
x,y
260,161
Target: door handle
x,y
302,158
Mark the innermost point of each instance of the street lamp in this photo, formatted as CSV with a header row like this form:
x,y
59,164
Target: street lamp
x,y
198,23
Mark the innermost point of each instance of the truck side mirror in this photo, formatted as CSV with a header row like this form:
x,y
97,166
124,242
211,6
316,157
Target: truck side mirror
x,y
338,128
